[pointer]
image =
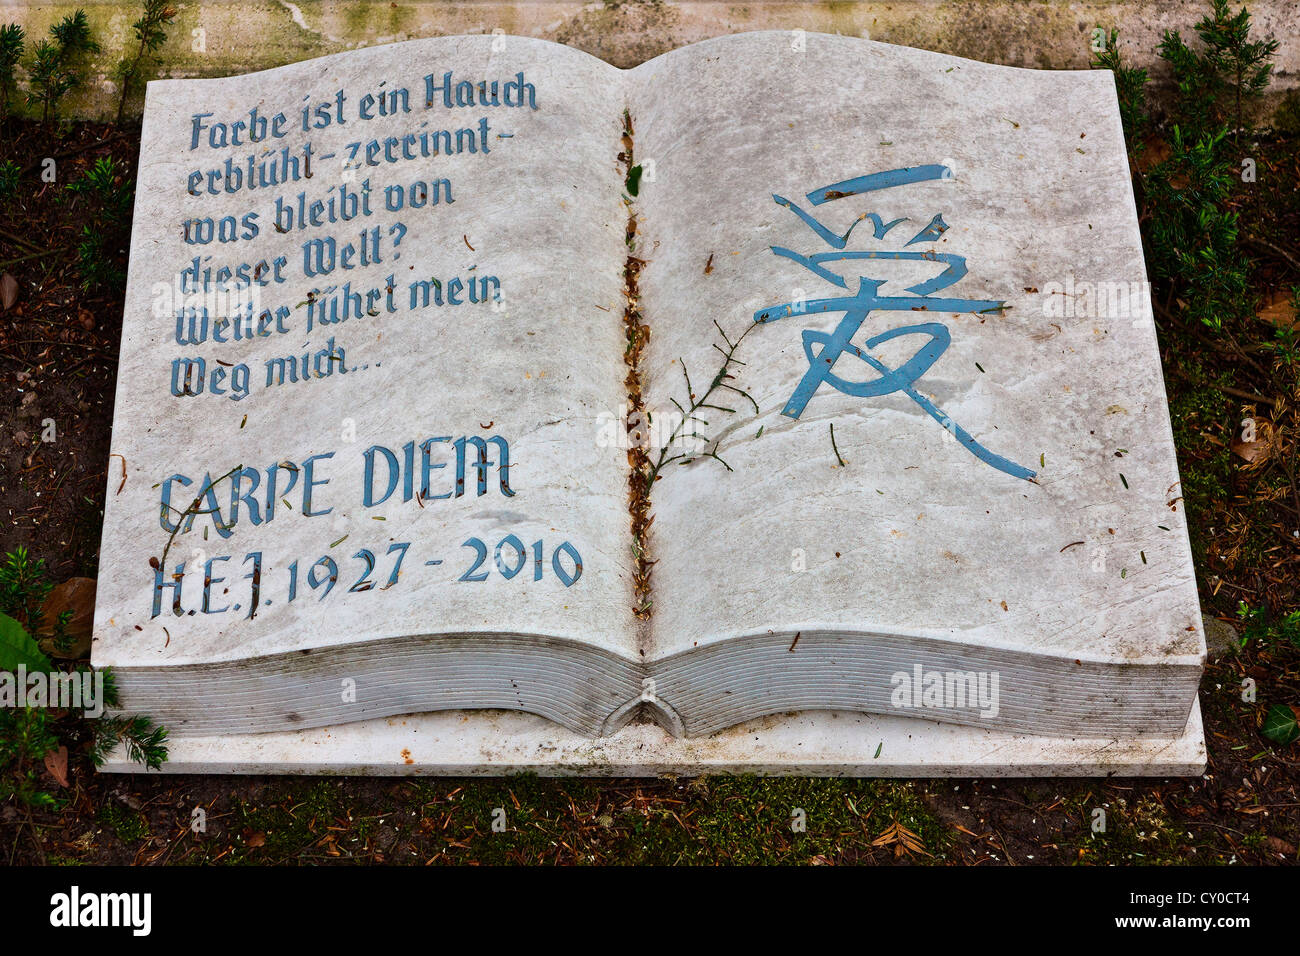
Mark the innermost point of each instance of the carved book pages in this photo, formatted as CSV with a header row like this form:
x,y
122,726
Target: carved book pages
x,y
389,471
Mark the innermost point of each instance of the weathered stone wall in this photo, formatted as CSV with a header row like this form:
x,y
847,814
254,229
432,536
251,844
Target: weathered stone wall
x,y
223,37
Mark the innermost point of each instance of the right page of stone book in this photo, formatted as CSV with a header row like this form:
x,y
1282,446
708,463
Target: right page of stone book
x,y
961,441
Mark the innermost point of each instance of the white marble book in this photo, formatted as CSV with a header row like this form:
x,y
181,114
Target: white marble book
x,y
379,409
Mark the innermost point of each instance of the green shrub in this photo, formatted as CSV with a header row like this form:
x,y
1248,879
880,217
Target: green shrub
x,y
29,734
1193,231
24,585
1130,89
10,173
11,50
57,69
109,193
1215,84
149,35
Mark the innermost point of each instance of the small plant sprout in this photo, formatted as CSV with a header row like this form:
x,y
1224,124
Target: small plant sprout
x,y
149,36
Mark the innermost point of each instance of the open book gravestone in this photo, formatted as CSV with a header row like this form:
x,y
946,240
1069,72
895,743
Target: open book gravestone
x,y
408,328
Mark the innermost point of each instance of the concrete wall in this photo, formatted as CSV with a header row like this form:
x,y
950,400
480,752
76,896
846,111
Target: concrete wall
x,y
222,37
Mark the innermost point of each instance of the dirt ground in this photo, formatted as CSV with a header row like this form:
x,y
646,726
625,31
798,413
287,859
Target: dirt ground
x,y
58,356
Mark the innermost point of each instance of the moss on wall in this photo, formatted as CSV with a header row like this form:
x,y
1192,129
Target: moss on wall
x,y
224,37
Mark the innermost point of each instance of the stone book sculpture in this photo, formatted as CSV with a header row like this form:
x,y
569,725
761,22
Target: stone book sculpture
x,y
782,373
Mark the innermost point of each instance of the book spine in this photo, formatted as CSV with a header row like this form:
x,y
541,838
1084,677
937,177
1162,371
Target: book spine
x,y
639,465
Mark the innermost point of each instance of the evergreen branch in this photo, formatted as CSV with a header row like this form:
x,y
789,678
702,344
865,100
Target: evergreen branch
x,y
690,415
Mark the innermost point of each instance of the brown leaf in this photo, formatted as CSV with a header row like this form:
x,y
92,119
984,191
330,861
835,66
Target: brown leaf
x,y
78,596
1255,453
56,762
1157,151
1279,846
255,839
86,319
1250,452
8,292
1279,309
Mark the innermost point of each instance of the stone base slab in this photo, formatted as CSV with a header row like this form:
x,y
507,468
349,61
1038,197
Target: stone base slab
x,y
822,744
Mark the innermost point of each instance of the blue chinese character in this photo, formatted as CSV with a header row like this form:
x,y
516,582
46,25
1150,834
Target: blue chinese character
x,y
823,350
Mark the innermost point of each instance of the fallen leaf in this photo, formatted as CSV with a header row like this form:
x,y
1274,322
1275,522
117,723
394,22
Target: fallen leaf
x,y
1254,453
78,596
1278,845
1157,151
1279,309
256,839
86,319
56,762
8,292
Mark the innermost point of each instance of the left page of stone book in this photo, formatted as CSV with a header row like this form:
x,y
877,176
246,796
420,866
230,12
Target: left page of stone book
x,y
373,322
